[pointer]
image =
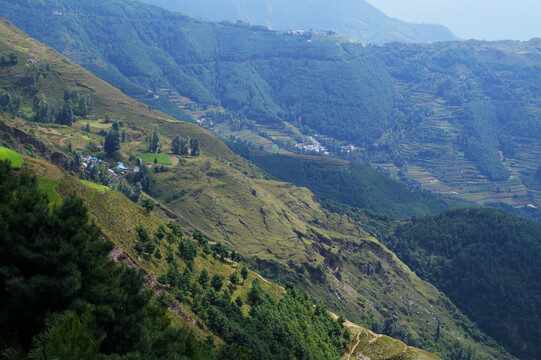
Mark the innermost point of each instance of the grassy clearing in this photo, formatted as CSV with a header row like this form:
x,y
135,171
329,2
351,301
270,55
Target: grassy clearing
x,y
15,159
48,187
101,188
160,158
94,124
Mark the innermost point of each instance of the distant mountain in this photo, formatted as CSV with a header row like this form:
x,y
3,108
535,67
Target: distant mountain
x,y
265,75
354,19
458,118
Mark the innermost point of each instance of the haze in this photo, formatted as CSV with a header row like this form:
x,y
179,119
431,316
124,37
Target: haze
x,y
467,19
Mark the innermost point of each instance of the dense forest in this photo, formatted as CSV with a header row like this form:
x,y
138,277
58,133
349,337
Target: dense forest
x,y
61,295
487,262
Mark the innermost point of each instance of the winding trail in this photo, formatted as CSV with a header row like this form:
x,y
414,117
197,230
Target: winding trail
x,y
355,346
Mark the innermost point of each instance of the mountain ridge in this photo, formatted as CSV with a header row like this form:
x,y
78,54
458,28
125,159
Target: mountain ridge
x,y
356,20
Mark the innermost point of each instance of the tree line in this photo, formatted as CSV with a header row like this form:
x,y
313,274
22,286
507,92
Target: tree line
x,y
74,105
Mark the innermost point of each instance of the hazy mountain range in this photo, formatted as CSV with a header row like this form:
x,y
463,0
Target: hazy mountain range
x,y
354,19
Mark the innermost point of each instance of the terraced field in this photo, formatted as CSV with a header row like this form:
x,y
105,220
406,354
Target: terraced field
x,y
434,159
437,164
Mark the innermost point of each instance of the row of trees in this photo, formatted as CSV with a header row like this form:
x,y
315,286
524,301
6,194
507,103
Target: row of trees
x,y
11,59
185,146
179,145
80,103
65,115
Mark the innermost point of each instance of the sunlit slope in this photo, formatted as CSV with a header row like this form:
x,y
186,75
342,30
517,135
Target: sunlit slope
x,y
105,99
116,216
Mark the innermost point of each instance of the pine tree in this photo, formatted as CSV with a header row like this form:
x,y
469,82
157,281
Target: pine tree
x,y
112,144
65,116
204,278
234,278
244,273
175,145
194,147
217,282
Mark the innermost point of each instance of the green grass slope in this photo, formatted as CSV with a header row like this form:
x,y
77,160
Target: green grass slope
x,y
14,158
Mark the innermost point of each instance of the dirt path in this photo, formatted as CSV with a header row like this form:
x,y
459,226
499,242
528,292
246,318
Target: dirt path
x,y
405,349
355,346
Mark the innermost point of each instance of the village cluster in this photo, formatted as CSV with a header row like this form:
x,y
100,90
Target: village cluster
x,y
90,161
312,145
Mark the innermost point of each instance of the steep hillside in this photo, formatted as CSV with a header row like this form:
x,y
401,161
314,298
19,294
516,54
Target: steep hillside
x,y
111,294
274,226
467,122
356,20
261,75
108,320
348,183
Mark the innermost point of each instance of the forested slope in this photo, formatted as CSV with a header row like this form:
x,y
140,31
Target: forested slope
x,y
260,74
349,183
487,262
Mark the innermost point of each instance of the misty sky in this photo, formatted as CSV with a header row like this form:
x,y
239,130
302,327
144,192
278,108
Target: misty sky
x,y
472,19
